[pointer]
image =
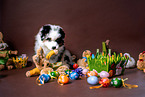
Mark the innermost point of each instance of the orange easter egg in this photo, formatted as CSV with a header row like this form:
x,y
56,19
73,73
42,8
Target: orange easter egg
x,y
92,73
63,79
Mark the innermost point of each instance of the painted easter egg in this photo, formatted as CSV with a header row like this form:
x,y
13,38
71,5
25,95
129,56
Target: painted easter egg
x,y
44,78
111,73
79,71
63,79
85,71
92,73
54,74
105,82
116,82
104,74
74,76
75,66
92,80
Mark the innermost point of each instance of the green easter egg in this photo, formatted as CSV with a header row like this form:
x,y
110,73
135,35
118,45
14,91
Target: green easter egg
x,y
116,82
54,74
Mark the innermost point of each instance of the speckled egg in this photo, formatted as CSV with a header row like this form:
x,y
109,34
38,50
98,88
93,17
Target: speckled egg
x,y
116,82
63,79
74,75
54,73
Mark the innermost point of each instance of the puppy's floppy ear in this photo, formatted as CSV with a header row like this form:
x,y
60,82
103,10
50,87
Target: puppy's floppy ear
x,y
45,31
62,33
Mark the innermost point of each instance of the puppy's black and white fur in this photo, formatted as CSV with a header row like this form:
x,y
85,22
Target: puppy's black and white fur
x,y
51,37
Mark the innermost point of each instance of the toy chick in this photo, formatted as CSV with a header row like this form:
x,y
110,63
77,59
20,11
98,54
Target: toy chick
x,y
141,61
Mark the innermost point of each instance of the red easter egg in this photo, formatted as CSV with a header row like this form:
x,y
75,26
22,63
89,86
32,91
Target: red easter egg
x,y
105,82
75,66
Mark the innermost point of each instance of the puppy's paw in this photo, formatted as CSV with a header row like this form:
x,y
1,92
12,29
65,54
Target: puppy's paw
x,y
28,74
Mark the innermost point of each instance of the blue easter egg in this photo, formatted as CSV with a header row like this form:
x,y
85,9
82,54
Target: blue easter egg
x,y
92,80
93,56
78,70
74,76
44,78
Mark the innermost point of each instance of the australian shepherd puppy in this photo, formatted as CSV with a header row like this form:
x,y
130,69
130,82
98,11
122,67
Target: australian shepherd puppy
x,y
51,37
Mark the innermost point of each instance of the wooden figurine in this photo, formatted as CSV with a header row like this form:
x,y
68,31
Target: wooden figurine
x,y
5,59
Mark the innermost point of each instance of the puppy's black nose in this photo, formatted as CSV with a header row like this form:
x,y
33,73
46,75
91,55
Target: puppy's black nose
x,y
54,47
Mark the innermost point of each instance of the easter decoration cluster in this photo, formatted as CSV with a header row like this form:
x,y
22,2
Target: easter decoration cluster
x,y
63,74
48,71
7,57
94,68
106,82
63,78
104,65
105,61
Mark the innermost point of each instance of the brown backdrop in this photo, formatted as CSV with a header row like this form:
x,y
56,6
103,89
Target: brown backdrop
x,y
86,23
0,15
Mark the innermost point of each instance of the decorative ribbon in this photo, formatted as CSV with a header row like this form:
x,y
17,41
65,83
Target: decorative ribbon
x,y
93,87
60,83
38,82
129,86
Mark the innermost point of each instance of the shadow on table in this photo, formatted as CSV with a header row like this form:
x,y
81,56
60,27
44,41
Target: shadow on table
x,y
29,63
3,76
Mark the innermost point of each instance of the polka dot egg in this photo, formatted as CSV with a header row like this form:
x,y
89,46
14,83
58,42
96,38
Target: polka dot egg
x,y
116,82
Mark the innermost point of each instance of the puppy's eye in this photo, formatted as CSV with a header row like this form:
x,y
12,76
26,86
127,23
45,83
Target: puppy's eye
x,y
58,40
49,39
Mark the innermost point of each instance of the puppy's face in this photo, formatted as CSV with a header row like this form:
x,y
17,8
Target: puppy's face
x,y
52,36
